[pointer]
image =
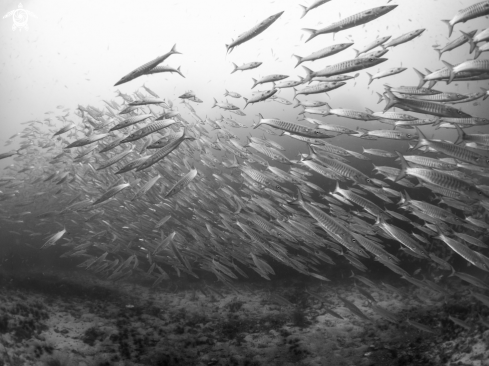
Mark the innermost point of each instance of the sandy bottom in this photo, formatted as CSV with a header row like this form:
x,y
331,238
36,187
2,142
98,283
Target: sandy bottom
x,y
50,320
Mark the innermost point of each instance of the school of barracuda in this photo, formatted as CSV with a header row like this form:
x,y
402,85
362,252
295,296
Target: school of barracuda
x,y
135,187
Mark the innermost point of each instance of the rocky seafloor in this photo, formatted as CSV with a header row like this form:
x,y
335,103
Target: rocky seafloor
x,y
56,320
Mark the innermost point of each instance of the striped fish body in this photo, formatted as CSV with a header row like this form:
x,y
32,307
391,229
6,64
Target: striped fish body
x,y
145,188
471,12
158,144
319,88
352,21
345,170
394,116
111,145
456,43
370,207
404,238
392,134
141,70
326,172
114,159
333,149
149,129
131,121
413,90
111,192
87,140
271,153
441,97
454,151
334,128
308,140
65,129
430,162
332,227
163,152
372,45
440,179
324,52
404,38
344,67
464,251
132,165
293,128
148,101
420,106
182,183
163,68
253,32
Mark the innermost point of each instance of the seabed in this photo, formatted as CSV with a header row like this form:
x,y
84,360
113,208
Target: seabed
x,y
59,319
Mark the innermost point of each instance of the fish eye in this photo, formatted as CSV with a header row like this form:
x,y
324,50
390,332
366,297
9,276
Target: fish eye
x,y
368,180
370,59
479,193
354,240
459,112
476,159
408,135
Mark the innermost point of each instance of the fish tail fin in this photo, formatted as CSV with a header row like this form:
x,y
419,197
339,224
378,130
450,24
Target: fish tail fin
x,y
485,96
246,100
461,135
440,52
259,121
180,72
174,51
254,83
299,199
421,77
235,67
337,189
312,33
369,78
309,74
304,11
402,173
226,93
295,94
381,98
452,73
297,103
469,39
357,53
215,103
391,100
299,60
477,52
422,140
450,27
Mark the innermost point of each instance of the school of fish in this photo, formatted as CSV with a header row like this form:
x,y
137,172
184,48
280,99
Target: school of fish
x,y
134,187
